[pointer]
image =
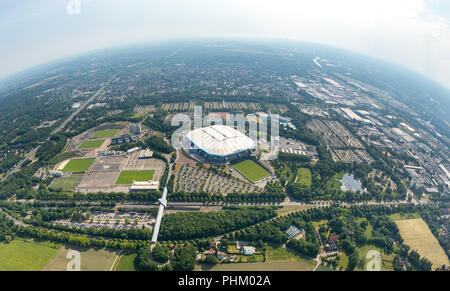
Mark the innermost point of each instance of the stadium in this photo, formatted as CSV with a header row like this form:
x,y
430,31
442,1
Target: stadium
x,y
218,144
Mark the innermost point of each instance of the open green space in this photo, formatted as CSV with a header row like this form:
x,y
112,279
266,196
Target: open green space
x,y
60,158
92,259
283,254
26,254
323,268
304,176
251,170
127,177
91,144
334,182
105,133
404,216
68,183
78,165
127,262
386,260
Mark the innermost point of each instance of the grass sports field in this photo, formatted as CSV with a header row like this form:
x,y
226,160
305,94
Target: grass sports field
x,y
251,170
304,176
78,165
91,144
68,183
26,254
92,259
127,177
127,262
418,236
105,133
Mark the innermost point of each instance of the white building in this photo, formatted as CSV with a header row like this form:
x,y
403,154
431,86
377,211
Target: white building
x,y
144,185
248,251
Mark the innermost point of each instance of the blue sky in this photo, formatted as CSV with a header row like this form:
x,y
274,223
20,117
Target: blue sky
x,y
412,33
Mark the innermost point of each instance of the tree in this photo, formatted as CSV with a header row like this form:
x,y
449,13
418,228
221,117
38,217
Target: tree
x,y
210,260
161,254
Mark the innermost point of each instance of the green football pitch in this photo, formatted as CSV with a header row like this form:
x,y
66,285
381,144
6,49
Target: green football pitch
x,y
78,165
251,170
105,133
91,144
127,177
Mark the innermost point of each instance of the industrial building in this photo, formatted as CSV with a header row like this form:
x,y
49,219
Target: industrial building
x,y
218,144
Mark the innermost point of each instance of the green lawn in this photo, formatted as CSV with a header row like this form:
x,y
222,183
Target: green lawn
x,y
92,259
386,260
282,254
26,254
404,216
127,262
304,176
105,133
251,170
324,268
127,177
91,144
334,183
68,183
78,165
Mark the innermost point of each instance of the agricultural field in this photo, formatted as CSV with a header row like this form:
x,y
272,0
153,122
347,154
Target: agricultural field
x,y
78,165
417,235
105,133
251,170
91,144
92,259
127,177
304,176
26,254
126,262
68,183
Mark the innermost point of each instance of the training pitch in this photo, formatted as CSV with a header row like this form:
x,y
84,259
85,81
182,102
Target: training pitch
x,y
68,183
78,165
251,170
127,177
105,133
91,144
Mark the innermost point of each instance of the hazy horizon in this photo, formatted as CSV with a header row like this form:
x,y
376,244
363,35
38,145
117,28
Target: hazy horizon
x,y
414,34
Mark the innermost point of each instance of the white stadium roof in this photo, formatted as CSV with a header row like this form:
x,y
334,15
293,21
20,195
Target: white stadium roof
x,y
220,140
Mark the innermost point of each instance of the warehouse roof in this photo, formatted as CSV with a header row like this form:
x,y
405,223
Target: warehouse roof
x,y
220,140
